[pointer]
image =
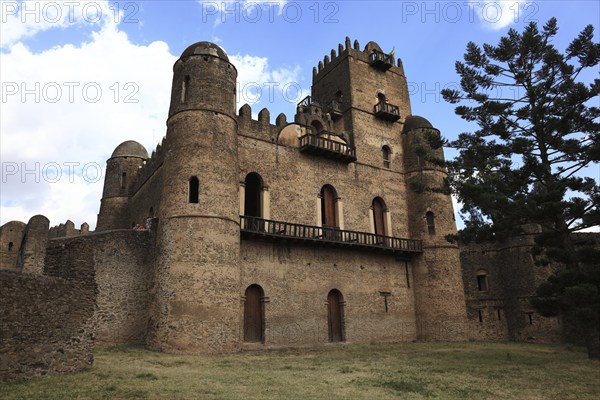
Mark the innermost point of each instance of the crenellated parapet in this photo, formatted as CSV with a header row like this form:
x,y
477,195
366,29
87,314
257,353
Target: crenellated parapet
x,y
68,230
149,167
372,53
260,128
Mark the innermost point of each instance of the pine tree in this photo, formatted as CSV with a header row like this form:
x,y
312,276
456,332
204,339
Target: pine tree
x,y
538,139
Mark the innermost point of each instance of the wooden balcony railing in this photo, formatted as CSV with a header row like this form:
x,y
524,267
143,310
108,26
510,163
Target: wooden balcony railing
x,y
334,108
253,227
387,111
381,60
320,145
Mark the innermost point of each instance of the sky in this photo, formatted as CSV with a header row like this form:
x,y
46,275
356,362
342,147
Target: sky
x,y
80,77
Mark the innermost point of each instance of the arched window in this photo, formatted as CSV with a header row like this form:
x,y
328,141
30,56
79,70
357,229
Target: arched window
x,y
254,314
482,281
10,246
335,316
430,218
328,207
317,127
252,200
123,180
381,97
379,210
193,190
387,154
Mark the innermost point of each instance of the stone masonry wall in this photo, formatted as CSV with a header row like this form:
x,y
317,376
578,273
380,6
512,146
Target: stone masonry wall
x,y
46,320
123,261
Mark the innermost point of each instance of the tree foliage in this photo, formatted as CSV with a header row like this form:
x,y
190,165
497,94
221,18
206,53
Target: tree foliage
x,y
529,161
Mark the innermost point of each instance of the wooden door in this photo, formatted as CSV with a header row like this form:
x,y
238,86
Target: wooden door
x,y
378,218
253,314
328,207
334,300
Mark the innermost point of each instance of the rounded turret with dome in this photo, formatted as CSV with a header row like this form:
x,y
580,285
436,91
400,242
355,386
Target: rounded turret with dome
x,y
199,204
203,77
121,170
431,219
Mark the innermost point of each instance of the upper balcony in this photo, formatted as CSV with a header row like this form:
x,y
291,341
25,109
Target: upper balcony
x,y
387,111
321,145
381,60
253,227
334,108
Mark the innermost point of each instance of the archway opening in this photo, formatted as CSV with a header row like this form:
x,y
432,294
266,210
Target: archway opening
x,y
254,314
335,316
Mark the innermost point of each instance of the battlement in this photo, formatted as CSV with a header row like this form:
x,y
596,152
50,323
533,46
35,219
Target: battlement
x,y
68,230
260,128
149,167
353,49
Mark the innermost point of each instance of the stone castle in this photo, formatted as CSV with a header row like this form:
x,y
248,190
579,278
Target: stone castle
x,y
248,234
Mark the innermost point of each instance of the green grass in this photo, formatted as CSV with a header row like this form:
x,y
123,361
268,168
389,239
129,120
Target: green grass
x,y
375,371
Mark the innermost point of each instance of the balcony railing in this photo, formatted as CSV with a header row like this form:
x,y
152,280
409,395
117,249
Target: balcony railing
x,y
387,111
334,108
253,227
381,60
320,145
307,101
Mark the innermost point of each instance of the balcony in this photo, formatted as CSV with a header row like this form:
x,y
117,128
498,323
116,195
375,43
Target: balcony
x,y
381,60
258,228
386,111
322,146
334,108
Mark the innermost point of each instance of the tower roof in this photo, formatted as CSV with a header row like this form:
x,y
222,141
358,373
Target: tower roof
x,y
204,48
130,148
415,122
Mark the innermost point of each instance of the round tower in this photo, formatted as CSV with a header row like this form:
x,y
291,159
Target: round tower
x,y
439,294
121,170
198,238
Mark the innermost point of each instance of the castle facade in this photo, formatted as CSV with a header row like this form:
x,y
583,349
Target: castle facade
x,y
239,233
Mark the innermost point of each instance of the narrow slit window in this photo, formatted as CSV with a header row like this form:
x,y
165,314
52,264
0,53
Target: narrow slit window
x,y
430,218
10,246
480,315
185,84
194,187
123,180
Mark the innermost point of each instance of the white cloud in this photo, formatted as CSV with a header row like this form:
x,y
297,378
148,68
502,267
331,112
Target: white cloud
x,y
259,84
66,108
498,14
23,19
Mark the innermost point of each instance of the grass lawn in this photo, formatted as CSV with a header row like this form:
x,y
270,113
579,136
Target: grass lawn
x,y
374,371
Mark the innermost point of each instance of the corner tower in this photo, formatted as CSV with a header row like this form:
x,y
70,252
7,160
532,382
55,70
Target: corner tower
x,y
121,169
197,302
439,295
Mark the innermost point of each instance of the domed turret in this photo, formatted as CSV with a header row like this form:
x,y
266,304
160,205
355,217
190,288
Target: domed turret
x,y
121,170
204,49
415,122
199,204
203,78
431,219
130,148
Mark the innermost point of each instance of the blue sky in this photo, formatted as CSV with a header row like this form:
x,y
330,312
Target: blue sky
x,y
80,77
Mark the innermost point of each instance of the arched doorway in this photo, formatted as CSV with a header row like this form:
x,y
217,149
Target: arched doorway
x,y
335,316
379,216
329,217
253,204
254,314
